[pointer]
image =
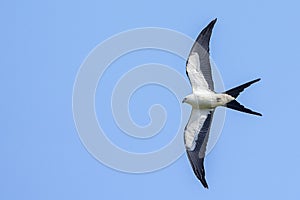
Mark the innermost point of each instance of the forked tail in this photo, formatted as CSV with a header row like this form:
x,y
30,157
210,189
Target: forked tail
x,y
234,92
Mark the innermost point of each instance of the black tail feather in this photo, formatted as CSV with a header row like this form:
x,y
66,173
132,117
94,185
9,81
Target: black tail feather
x,y
234,92
237,106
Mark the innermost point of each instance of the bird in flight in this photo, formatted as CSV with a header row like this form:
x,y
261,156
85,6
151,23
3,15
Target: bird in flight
x,y
204,101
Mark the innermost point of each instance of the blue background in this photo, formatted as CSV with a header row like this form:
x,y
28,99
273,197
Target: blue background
x,y
43,44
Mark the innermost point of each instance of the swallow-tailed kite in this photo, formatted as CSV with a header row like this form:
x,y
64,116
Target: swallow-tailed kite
x,y
204,101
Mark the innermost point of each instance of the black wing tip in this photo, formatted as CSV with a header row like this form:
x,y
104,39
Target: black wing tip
x,y
205,185
203,181
198,167
208,28
203,38
214,20
211,24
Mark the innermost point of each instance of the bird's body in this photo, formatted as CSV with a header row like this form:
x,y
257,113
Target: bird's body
x,y
204,101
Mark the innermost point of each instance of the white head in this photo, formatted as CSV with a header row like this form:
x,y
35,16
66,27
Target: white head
x,y
189,99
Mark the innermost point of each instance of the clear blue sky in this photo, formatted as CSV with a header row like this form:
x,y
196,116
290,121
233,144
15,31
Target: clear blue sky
x,y
43,44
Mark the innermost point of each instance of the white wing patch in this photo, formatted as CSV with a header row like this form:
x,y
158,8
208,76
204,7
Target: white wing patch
x,y
196,77
193,127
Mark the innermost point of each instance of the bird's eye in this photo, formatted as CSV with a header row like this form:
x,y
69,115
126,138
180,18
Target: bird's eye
x,y
218,99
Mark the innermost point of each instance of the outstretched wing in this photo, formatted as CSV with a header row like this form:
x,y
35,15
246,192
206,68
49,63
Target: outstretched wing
x,y
198,67
196,135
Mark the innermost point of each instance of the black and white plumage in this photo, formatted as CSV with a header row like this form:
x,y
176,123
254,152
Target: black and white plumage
x,y
204,101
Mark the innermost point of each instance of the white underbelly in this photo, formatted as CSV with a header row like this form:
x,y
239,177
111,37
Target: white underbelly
x,y
206,100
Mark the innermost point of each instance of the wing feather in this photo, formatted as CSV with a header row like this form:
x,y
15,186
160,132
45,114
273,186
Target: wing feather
x,y
196,137
198,66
